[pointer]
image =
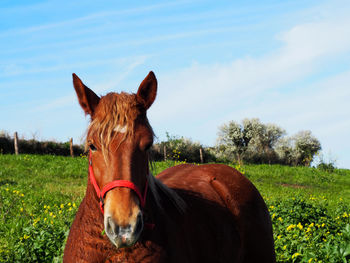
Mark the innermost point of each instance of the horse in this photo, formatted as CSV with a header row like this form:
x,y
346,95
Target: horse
x,y
188,213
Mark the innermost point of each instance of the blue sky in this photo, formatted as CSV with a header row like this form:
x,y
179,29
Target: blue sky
x,y
285,62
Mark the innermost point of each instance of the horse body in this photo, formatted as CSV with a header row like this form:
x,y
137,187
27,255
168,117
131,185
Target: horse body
x,y
206,213
226,220
226,207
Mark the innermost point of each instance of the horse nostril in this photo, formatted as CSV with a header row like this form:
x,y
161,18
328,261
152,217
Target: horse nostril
x,y
139,223
111,227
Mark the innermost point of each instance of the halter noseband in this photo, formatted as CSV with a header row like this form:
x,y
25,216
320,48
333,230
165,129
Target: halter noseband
x,y
117,183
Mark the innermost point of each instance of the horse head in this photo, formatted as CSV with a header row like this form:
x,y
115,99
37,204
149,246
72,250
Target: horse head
x,y
118,138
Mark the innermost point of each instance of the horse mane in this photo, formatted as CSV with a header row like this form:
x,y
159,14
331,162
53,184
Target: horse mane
x,y
158,188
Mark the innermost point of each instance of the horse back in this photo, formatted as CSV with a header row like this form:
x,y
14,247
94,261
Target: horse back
x,y
222,200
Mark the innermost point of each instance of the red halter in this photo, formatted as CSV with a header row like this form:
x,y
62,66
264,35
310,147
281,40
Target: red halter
x,y
114,184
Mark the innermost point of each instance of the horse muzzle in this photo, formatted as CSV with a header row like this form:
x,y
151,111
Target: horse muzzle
x,y
126,235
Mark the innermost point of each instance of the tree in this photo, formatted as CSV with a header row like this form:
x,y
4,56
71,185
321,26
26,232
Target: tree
x,y
299,149
306,147
265,137
251,141
256,142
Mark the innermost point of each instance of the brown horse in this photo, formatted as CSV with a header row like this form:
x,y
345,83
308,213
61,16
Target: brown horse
x,y
188,213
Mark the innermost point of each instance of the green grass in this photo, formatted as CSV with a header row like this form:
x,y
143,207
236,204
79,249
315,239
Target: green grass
x,y
32,191
282,182
39,196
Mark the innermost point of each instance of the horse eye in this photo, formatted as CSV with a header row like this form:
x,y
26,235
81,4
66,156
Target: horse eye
x,y
148,146
92,147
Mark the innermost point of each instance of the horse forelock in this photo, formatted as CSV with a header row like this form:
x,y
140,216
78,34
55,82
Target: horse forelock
x,y
115,113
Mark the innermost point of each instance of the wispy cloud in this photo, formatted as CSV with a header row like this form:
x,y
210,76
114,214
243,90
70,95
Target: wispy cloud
x,y
305,48
70,99
254,87
105,15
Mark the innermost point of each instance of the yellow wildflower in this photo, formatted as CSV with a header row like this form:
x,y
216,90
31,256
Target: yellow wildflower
x,y
295,255
290,227
300,226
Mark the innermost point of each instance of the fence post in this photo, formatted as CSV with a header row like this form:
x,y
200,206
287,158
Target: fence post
x,y
201,154
71,147
164,151
15,140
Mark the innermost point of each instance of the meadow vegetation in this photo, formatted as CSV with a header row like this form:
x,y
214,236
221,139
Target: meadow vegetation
x,y
40,194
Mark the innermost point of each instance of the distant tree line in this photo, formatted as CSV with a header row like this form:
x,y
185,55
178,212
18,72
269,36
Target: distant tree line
x,y
250,141
34,146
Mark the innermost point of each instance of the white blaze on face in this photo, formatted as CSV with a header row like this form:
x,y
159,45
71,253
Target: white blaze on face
x,y
120,129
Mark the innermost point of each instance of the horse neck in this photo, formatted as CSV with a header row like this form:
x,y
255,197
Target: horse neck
x,y
162,200
91,203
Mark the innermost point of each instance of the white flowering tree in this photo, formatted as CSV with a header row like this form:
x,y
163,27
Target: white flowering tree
x,y
306,147
252,140
299,149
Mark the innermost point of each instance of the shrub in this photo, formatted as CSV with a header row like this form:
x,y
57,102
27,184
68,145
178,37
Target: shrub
x,y
181,149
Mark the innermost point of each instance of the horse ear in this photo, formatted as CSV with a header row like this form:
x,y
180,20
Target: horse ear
x,y
88,100
147,91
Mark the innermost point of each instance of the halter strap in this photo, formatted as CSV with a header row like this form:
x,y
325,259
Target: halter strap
x,y
117,183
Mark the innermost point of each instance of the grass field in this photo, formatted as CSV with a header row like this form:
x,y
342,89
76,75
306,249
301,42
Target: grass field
x,y
39,196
